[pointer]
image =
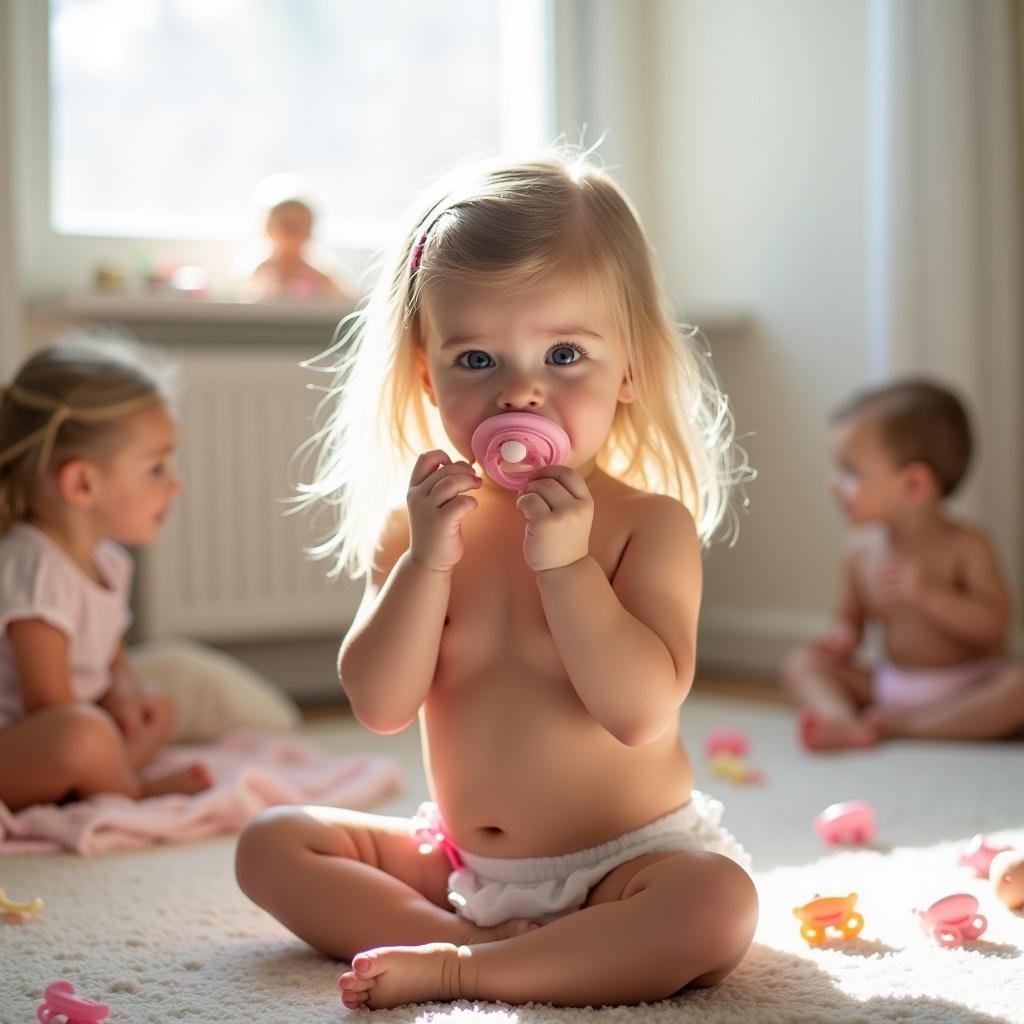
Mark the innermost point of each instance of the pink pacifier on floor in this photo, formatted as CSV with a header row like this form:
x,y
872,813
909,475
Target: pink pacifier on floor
x,y
512,445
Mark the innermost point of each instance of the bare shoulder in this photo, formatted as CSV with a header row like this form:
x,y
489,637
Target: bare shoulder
x,y
971,541
642,510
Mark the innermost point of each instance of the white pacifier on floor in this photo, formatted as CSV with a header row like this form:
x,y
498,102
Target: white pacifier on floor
x,y
512,445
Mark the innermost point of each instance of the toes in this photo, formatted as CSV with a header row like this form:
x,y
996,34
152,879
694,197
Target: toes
x,y
367,965
354,1000
348,982
809,729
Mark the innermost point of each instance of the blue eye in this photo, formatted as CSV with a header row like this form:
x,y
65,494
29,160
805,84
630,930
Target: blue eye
x,y
565,354
475,360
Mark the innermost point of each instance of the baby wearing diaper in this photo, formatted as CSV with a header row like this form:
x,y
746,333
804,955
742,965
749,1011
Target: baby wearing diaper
x,y
492,890
932,584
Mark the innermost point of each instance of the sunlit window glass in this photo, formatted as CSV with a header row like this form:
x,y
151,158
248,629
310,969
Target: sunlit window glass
x,y
167,114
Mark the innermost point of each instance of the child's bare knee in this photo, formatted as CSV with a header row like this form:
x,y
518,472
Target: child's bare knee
x,y
1016,691
723,910
85,735
265,845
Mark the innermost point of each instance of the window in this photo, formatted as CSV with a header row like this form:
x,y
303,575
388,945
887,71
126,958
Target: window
x,y
166,115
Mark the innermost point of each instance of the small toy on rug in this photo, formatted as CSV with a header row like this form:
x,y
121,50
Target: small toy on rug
x,y
829,912
19,913
726,750
1007,876
852,822
60,1000
953,919
978,856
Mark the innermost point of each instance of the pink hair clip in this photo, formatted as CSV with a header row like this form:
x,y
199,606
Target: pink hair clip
x,y
417,251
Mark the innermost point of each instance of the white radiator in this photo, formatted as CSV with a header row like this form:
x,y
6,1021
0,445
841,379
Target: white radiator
x,y
229,564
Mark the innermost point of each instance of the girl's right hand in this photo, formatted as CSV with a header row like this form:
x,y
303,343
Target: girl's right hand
x,y
438,503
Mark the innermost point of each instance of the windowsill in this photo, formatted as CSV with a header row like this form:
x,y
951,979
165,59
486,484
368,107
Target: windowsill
x,y
139,307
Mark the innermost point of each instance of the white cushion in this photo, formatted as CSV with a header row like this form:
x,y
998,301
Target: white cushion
x,y
212,693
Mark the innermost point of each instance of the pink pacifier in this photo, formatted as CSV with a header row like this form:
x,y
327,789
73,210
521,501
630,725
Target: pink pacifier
x,y
512,445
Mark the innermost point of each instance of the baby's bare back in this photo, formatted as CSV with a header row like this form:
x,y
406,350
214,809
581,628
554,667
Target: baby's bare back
x,y
518,765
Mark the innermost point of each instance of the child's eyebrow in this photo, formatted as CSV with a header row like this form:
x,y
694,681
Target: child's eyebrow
x,y
584,331
166,449
467,339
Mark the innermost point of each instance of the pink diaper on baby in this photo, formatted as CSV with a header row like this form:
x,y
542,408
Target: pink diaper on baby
x,y
492,890
907,689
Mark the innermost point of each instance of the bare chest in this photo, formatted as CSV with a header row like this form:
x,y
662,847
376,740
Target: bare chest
x,y
495,616
936,565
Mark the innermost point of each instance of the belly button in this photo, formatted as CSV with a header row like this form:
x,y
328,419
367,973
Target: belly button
x,y
493,830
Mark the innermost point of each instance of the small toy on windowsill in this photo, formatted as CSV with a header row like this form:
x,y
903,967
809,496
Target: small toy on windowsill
x,y
292,267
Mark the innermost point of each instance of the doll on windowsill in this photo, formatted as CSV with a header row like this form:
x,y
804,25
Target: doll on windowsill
x,y
286,273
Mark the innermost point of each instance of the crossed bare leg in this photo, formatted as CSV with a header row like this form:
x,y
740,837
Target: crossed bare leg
x,y
411,974
193,778
821,732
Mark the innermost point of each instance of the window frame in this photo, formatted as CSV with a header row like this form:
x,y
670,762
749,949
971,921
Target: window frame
x,y
53,264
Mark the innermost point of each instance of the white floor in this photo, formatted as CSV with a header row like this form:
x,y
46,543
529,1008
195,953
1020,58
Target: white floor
x,y
165,935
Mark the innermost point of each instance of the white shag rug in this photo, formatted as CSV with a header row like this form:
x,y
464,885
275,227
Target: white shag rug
x,y
164,935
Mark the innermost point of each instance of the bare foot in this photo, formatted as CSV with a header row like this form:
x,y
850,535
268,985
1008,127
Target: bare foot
x,y
193,778
396,975
818,733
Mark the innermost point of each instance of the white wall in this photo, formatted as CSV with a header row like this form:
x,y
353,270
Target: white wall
x,y
10,344
739,128
760,190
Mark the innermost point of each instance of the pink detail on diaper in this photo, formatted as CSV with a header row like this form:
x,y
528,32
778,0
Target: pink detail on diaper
x,y
427,826
518,437
907,689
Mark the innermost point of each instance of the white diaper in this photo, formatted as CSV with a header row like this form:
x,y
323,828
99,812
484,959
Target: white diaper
x,y
491,890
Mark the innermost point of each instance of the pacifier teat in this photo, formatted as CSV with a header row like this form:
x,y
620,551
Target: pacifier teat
x,y
512,445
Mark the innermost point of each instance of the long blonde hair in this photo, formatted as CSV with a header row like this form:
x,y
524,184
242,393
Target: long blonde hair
x,y
524,224
68,401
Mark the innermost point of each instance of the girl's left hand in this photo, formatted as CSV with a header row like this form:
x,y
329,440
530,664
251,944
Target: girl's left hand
x,y
559,513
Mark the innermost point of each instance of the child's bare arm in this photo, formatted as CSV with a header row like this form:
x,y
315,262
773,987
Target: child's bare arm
x,y
388,659
629,646
41,658
980,612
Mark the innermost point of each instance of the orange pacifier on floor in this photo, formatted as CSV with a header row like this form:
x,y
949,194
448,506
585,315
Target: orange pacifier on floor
x,y
512,445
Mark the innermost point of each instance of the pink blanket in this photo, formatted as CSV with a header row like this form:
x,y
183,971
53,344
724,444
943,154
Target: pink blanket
x,y
250,770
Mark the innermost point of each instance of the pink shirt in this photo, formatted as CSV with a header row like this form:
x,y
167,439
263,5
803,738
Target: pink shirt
x,y
39,580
